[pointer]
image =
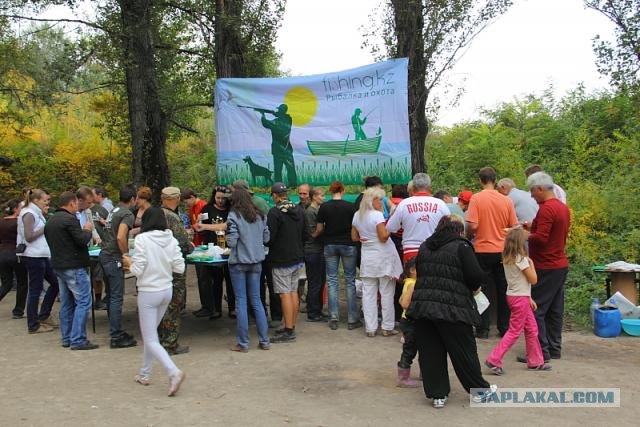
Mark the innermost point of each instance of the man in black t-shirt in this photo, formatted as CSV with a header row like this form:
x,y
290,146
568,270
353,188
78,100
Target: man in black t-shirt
x,y
334,223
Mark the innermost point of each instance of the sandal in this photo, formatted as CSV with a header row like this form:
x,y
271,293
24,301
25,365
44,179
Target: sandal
x,y
142,379
386,333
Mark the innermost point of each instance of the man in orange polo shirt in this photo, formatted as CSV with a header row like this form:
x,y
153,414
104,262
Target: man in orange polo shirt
x,y
489,215
195,205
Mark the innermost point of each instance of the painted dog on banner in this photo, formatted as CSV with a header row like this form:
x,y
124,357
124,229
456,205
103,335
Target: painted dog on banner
x,y
257,170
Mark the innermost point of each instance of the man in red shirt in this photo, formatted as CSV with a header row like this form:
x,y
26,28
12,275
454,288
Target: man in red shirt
x,y
489,215
547,242
195,205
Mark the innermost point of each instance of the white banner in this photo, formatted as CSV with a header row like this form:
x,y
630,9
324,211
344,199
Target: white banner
x,y
315,129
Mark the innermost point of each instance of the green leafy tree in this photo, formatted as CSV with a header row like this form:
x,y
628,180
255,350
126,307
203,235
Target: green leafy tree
x,y
162,55
432,34
619,60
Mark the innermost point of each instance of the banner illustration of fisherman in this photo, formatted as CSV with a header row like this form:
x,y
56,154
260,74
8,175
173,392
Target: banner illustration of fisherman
x,y
317,129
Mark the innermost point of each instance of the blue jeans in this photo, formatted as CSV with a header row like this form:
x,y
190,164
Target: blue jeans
x,y
332,256
39,269
246,285
75,303
114,275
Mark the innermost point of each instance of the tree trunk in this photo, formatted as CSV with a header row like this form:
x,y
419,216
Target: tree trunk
x,y
148,121
409,24
228,47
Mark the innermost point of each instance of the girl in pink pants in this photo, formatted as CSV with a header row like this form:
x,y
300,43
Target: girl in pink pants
x,y
521,274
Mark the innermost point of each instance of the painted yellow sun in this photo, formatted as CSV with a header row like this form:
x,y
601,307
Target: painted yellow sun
x,y
302,103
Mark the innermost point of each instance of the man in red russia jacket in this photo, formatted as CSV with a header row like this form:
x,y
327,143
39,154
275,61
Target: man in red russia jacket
x,y
547,242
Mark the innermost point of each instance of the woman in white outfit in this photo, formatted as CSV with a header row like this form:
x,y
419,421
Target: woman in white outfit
x,y
380,265
157,255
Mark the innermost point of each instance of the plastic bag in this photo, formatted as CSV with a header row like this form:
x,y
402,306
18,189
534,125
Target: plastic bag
x,y
626,307
359,287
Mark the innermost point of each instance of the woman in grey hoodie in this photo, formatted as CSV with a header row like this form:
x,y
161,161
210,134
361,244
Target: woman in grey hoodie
x,y
247,233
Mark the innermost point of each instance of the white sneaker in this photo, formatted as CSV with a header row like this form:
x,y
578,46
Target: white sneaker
x,y
439,403
483,397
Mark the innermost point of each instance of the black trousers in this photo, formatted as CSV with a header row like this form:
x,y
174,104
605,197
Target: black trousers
x,y
316,278
10,265
205,287
222,275
436,339
491,263
410,347
210,281
266,282
548,293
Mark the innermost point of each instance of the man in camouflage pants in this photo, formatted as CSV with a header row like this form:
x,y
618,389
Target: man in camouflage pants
x,y
169,329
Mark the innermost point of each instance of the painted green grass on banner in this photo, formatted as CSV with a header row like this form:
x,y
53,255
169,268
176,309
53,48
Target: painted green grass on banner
x,y
324,172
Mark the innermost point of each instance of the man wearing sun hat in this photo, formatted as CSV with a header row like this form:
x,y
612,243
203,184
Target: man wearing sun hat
x,y
169,329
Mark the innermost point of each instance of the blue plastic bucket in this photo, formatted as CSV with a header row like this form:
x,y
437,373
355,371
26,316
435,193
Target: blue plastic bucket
x,y
607,322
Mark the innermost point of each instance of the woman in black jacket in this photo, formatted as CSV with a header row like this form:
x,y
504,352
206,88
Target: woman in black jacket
x,y
9,262
445,312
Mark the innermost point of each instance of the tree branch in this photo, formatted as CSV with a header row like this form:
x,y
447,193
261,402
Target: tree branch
x,y
101,86
72,21
184,127
192,105
180,50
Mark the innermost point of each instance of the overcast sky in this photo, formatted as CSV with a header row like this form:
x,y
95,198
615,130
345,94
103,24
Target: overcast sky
x,y
537,43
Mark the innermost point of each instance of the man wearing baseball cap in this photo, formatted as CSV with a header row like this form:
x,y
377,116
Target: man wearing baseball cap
x,y
463,200
286,257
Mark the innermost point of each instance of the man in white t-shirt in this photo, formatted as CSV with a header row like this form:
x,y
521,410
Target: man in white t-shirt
x,y
417,215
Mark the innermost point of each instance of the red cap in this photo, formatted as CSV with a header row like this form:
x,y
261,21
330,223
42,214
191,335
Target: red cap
x,y
465,196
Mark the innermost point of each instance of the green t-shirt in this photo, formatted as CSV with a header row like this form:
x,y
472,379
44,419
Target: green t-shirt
x,y
260,204
117,216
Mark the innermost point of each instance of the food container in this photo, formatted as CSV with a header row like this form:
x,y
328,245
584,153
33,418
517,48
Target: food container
x,y
631,327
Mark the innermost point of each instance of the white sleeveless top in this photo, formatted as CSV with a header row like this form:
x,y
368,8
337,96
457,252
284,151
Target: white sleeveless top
x,y
39,247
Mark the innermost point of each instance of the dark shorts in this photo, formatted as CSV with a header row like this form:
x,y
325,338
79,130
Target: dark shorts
x,y
97,273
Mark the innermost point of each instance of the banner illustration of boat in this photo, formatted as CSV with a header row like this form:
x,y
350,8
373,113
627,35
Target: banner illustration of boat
x,y
360,145
348,146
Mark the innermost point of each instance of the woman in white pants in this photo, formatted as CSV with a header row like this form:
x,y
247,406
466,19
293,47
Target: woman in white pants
x,y
380,264
157,255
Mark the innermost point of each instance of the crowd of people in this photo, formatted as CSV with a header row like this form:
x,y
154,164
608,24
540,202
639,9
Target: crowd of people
x,y
421,258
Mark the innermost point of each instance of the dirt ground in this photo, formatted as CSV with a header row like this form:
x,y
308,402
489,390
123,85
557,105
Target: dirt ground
x,y
326,378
